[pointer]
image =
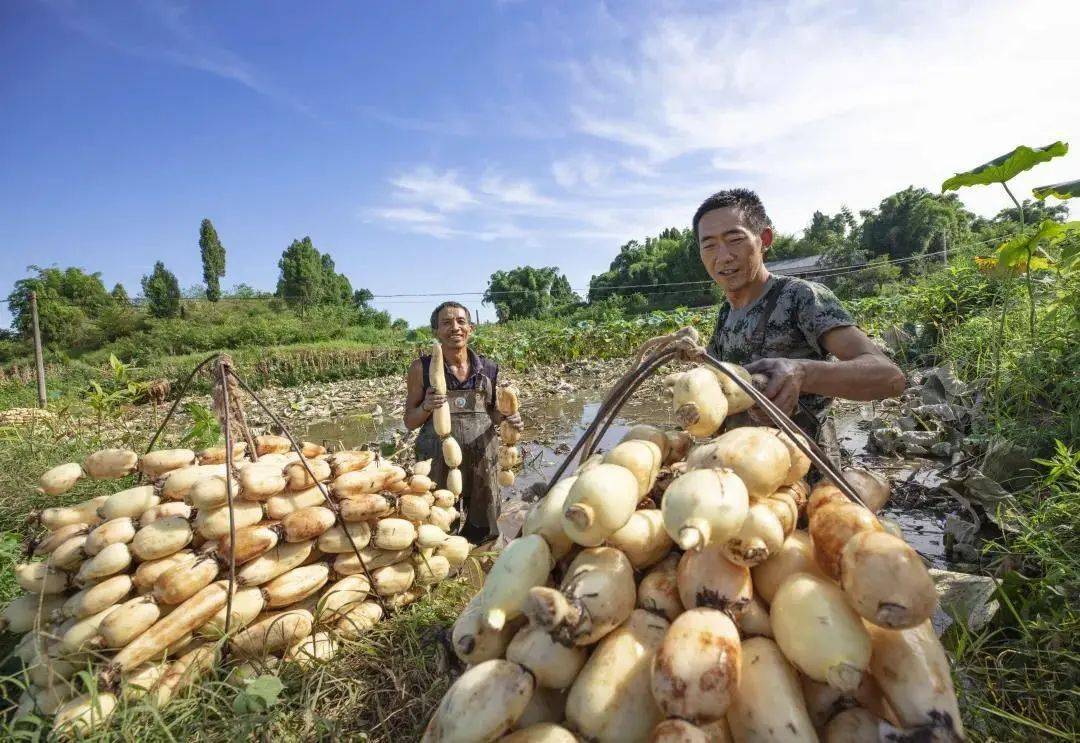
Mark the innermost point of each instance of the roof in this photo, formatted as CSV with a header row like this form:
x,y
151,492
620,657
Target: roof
x,y
796,266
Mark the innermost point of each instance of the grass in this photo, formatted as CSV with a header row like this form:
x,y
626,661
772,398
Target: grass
x,y
380,688
1020,678
1017,678
32,450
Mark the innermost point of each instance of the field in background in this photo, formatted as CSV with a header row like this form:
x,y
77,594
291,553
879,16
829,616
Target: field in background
x,y
1017,677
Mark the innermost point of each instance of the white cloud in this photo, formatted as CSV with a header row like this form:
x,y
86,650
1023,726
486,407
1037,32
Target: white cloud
x,y
585,170
509,191
441,191
415,220
814,104
819,104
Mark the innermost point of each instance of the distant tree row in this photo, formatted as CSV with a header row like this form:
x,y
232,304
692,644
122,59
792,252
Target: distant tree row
x,y
660,272
74,306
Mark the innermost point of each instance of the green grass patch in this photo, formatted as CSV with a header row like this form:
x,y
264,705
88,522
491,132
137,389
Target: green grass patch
x,y
380,688
1020,678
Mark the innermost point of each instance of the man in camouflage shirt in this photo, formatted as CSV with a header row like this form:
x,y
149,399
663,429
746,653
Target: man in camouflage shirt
x,y
795,332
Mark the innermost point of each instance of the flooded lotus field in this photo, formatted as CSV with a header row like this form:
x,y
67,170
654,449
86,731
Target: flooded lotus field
x,y
556,420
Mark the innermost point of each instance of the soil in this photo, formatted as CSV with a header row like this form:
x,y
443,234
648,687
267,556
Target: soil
x,y
558,404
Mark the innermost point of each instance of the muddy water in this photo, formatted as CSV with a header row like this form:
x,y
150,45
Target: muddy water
x,y
554,423
923,527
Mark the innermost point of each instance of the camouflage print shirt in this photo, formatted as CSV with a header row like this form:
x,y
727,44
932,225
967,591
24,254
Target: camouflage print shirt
x,y
798,312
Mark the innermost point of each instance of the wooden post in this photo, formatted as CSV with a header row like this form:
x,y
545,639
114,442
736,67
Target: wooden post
x,y
37,351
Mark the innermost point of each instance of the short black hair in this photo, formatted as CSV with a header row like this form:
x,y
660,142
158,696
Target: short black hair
x,y
743,199
443,306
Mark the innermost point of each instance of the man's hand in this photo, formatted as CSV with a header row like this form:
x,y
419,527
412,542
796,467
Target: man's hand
x,y
515,421
432,400
786,378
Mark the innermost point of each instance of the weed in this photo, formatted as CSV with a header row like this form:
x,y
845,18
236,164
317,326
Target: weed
x,y
382,687
1019,678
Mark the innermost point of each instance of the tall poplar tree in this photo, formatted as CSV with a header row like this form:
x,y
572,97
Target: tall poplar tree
x,y
213,259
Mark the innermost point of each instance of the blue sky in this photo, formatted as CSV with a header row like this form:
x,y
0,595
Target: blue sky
x,y
425,145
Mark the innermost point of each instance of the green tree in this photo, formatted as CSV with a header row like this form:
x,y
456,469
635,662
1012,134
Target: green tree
x,y
68,300
785,247
162,292
663,272
362,297
526,291
213,259
309,278
915,221
868,280
245,291
120,295
1006,223
825,233
336,286
300,282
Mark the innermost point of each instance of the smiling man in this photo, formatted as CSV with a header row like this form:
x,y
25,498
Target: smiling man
x,y
470,392
794,332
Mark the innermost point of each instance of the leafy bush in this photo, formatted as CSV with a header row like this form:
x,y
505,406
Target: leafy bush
x,y
1032,643
162,292
68,300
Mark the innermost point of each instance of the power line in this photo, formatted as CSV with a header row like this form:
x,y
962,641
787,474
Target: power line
x,y
822,272
825,272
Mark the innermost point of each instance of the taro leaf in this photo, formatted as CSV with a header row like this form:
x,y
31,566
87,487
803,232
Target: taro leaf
x,y
1063,191
1070,253
1014,253
259,695
1006,167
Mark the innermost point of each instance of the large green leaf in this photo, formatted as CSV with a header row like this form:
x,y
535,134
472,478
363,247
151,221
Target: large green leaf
x,y
1006,167
1063,191
1014,253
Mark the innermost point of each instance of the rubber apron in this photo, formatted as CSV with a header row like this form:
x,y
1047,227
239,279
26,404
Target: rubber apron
x,y
472,428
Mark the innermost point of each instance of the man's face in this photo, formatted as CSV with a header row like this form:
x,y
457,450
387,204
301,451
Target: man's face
x,y
454,327
731,252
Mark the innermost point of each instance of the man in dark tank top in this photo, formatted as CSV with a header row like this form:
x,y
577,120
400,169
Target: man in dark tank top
x,y
470,393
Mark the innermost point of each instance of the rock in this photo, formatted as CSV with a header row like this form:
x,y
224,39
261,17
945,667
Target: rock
x,y
964,596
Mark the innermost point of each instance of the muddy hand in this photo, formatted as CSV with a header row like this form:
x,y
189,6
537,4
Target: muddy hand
x,y
433,400
784,380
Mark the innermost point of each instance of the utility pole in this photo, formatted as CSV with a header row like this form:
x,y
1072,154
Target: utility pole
x,y
37,351
476,311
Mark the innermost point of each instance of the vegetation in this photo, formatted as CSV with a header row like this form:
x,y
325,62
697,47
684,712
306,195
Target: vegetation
x,y
914,221
1020,674
308,277
119,294
529,292
662,272
213,259
1003,307
162,292
68,300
